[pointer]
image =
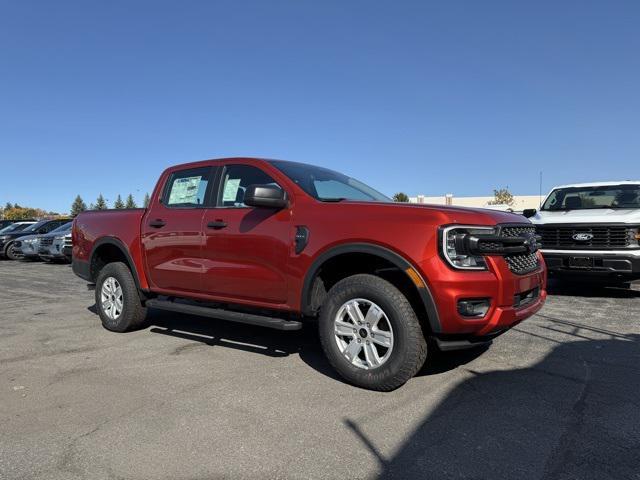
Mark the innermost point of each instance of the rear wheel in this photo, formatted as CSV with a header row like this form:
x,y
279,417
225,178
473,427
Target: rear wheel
x,y
370,333
117,299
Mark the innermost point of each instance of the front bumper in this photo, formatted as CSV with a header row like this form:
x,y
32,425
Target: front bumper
x,y
54,251
621,263
512,297
27,249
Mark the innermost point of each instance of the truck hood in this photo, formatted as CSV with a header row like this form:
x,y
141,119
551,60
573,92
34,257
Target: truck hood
x,y
438,214
596,215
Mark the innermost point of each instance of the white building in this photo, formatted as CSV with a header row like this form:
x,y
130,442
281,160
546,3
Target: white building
x,y
520,202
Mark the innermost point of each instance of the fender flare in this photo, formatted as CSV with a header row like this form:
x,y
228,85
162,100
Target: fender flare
x,y
123,249
377,250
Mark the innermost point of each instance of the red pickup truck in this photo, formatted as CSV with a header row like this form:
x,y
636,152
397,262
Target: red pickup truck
x,y
276,243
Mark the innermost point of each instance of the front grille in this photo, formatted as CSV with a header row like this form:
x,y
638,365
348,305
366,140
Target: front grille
x,y
68,242
45,241
521,263
516,230
604,236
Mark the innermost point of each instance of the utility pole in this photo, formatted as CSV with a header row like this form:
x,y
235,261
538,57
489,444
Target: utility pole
x,y
540,192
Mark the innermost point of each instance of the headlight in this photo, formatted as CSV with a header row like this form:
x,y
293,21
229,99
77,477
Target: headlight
x,y
453,250
30,240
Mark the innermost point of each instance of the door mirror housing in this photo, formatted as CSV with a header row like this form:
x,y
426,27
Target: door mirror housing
x,y
265,196
529,212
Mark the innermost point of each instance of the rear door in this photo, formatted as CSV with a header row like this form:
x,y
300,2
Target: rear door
x,y
172,237
246,249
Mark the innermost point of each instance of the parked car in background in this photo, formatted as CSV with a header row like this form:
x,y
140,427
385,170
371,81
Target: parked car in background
x,y
276,243
8,238
27,247
591,231
51,246
6,223
67,248
16,226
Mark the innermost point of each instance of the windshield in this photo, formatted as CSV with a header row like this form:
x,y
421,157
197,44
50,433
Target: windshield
x,y
14,227
62,228
326,185
583,198
35,226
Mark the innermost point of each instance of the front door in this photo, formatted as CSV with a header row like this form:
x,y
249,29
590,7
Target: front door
x,y
246,249
172,236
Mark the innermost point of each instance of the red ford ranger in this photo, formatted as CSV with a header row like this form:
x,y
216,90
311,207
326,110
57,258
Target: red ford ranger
x,y
276,243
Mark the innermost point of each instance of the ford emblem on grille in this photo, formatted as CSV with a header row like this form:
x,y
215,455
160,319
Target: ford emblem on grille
x,y
582,237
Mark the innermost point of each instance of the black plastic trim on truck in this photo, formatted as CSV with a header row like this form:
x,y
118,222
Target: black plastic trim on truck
x,y
389,255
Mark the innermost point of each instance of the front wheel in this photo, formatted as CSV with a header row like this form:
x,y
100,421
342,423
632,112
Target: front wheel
x,y
370,333
117,299
12,252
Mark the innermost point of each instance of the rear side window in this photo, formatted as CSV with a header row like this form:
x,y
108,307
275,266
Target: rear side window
x,y
187,188
235,181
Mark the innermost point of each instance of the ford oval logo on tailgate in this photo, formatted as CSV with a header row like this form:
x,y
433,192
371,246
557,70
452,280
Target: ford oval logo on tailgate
x,y
582,237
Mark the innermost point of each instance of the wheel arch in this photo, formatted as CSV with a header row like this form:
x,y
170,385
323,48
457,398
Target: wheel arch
x,y
313,285
108,250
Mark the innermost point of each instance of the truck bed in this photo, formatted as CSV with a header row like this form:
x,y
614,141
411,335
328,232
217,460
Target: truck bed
x,y
90,227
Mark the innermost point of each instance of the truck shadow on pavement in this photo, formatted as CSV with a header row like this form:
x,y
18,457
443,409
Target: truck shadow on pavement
x,y
575,414
273,343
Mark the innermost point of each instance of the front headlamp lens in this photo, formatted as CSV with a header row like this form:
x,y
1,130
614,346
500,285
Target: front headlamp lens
x,y
453,247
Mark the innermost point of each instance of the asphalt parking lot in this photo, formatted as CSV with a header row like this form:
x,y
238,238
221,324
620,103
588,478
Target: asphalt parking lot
x,y
557,397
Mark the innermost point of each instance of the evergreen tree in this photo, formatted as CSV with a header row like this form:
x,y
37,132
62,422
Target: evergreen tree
x,y
119,204
101,203
78,206
147,199
131,203
8,206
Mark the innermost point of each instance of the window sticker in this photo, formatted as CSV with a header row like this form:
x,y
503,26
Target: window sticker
x,y
185,190
231,187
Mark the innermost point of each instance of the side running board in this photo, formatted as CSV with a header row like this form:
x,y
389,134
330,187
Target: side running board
x,y
231,316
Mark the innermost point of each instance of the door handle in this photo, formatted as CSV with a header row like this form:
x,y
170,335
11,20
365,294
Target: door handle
x,y
217,225
157,223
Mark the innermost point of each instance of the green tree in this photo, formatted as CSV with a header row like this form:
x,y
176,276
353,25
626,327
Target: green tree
x,y
78,206
401,197
502,196
8,206
119,204
20,213
131,203
101,203
146,201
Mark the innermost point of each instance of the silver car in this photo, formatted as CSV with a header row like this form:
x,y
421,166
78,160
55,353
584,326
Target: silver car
x,y
27,247
52,245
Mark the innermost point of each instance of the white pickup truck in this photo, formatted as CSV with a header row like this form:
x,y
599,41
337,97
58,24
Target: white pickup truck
x,y
591,230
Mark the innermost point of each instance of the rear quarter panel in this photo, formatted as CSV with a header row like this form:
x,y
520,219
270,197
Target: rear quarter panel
x,y
91,227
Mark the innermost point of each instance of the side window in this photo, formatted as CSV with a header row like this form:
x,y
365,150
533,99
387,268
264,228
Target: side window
x,y
187,188
235,181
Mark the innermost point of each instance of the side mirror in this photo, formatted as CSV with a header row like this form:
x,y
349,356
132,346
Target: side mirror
x,y
529,212
266,196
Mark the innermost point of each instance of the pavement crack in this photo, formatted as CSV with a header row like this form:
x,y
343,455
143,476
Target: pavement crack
x,y
559,457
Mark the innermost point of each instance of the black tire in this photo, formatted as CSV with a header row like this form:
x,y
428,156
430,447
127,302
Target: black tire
x,y
12,253
409,350
133,313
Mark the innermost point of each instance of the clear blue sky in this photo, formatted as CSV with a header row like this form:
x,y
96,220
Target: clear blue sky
x,y
420,97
